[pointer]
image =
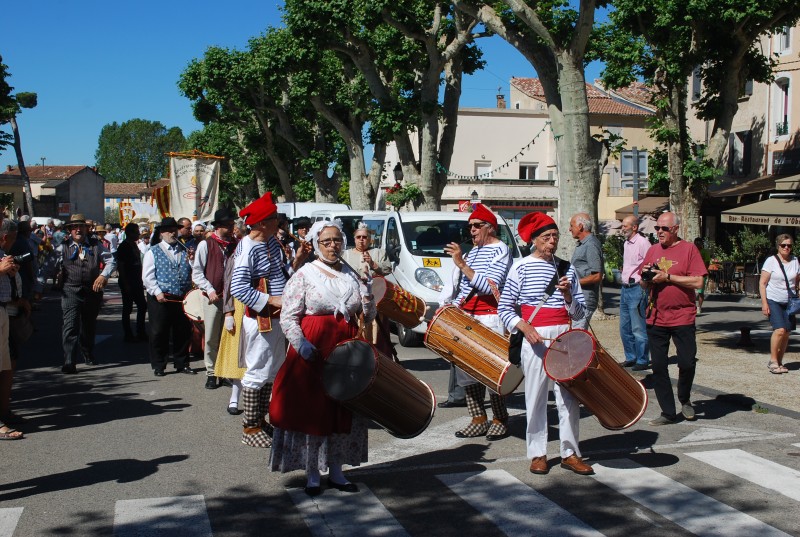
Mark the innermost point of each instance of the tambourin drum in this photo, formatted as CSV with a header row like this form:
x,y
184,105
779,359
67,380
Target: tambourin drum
x,y
365,381
193,304
584,368
397,304
476,349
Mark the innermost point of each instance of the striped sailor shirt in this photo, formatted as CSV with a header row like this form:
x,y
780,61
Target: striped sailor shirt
x,y
525,286
255,260
491,263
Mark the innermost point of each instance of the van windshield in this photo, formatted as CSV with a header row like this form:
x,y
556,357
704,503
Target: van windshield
x,y
430,237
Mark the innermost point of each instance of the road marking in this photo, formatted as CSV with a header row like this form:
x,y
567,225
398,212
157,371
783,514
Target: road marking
x,y
175,516
689,509
712,433
9,518
335,514
763,472
494,493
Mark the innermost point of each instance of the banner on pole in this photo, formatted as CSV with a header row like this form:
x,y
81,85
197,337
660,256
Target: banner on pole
x,y
126,213
194,185
161,197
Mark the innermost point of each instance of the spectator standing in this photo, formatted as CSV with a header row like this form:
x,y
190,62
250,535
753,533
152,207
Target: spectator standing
x,y
83,292
8,272
676,271
775,298
632,303
588,262
129,267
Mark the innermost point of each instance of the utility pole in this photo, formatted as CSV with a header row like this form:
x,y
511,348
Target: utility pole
x,y
42,159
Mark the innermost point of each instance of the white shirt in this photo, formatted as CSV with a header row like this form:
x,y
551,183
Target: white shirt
x,y
149,266
776,286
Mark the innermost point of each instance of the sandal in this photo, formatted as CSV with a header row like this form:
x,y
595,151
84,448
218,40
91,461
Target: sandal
x,y
10,434
782,369
774,368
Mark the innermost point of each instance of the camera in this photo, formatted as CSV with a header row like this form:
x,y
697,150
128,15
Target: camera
x,y
19,259
648,274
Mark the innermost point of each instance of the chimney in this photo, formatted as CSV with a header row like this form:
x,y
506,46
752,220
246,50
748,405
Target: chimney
x,y
8,167
501,99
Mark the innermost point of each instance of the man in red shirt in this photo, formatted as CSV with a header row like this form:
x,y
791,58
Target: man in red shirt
x,y
671,272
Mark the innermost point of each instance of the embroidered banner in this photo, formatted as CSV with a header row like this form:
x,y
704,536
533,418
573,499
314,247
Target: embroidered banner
x,y
194,183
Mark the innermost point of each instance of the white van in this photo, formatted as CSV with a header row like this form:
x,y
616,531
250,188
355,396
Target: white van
x,y
414,243
349,219
295,210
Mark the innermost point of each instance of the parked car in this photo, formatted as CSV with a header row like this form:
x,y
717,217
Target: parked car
x,y
349,219
414,243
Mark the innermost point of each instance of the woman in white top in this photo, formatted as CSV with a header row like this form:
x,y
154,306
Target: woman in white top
x,y
775,297
321,304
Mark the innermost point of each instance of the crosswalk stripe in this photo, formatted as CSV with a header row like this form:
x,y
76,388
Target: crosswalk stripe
x,y
760,471
342,514
508,491
693,511
175,516
9,517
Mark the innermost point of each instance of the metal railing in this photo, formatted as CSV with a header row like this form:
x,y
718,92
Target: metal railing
x,y
782,128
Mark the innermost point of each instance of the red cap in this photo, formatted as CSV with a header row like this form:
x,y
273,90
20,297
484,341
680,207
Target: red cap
x,y
481,212
534,224
259,210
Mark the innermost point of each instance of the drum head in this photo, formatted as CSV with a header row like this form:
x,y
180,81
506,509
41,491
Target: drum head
x,y
349,369
569,355
193,304
378,288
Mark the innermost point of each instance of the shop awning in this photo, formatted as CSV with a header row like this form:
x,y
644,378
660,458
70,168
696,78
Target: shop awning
x,y
652,205
771,212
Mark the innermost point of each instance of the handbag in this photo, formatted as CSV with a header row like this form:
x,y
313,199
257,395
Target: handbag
x,y
793,306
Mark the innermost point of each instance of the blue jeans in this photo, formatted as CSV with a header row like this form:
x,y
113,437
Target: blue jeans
x,y
632,327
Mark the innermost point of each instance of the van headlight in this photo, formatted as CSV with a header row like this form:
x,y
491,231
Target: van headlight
x,y
429,278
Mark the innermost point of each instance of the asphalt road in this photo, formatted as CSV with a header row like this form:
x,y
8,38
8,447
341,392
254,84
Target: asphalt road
x,y
116,451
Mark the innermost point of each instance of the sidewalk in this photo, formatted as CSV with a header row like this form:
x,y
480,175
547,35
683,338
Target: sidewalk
x,y
726,369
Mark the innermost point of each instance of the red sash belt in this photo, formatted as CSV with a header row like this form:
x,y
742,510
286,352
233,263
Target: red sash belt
x,y
546,316
480,305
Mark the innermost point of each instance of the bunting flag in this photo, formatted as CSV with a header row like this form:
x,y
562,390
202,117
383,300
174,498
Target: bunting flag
x,y
161,196
126,213
194,178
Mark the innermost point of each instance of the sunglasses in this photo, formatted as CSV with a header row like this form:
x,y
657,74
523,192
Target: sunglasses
x,y
785,245
476,225
663,228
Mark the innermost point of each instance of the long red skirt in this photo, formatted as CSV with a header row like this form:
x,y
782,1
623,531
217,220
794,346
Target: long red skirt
x,y
298,401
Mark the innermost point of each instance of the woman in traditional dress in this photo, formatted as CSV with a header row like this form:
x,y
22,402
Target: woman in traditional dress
x,y
321,303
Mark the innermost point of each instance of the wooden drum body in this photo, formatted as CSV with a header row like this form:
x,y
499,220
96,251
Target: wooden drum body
x,y
476,349
584,368
193,304
367,382
398,304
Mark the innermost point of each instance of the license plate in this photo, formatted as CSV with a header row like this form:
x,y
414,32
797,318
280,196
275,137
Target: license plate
x,y
431,262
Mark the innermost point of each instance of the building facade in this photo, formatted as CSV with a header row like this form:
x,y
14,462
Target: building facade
x,y
59,191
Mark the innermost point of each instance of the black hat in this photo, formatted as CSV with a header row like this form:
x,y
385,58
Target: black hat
x,y
223,215
168,222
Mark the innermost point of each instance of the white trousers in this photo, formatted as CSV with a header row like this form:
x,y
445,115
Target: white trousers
x,y
264,355
537,385
489,321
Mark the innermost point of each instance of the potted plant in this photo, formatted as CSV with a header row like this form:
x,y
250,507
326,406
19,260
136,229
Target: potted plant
x,y
398,196
612,256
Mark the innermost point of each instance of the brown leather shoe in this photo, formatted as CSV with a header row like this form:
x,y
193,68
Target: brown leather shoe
x,y
539,465
574,463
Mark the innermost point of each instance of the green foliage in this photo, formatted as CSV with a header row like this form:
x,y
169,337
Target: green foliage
x,y
11,104
344,192
399,196
613,247
136,151
111,216
750,246
305,189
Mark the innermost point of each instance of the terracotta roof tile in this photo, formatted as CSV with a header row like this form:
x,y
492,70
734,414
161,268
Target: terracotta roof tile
x,y
599,101
46,173
126,190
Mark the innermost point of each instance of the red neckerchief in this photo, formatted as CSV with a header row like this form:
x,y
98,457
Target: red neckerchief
x,y
223,243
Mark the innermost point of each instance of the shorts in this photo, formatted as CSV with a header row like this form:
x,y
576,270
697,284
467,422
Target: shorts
x,y
778,317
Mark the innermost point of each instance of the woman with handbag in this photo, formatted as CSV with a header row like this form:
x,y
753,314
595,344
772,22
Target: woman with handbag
x,y
779,302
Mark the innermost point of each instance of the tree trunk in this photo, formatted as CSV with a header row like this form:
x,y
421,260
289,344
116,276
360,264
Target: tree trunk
x,y
26,180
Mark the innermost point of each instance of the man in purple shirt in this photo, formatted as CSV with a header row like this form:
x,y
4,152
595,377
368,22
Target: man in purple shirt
x,y
632,302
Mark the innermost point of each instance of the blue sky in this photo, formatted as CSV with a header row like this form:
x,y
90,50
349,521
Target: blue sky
x,y
93,63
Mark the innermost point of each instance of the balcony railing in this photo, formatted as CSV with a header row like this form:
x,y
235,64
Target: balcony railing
x,y
625,192
782,128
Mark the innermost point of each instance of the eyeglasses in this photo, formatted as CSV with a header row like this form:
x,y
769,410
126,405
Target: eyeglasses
x,y
549,237
361,237
785,245
476,225
328,242
663,228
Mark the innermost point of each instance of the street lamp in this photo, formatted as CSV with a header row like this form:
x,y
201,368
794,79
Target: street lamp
x,y
474,196
398,173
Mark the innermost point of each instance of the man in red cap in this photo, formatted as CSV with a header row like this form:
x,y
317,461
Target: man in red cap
x,y
259,277
524,292
478,280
